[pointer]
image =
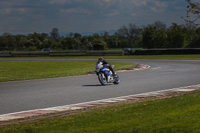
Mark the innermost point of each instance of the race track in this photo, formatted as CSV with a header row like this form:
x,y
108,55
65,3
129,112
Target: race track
x,y
35,94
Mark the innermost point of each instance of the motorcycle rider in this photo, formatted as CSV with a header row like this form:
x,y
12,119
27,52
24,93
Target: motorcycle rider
x,y
105,63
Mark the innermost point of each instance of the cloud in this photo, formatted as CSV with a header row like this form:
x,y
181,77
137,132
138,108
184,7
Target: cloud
x,y
84,14
114,13
11,3
86,2
139,3
158,10
5,11
75,10
11,7
12,11
158,6
59,1
19,7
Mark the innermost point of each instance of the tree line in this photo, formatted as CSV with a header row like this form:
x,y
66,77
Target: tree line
x,y
156,35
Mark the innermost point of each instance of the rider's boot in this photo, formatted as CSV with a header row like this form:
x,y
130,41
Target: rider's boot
x,y
114,75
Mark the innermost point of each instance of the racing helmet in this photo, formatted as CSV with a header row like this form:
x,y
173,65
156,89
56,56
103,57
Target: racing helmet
x,y
100,59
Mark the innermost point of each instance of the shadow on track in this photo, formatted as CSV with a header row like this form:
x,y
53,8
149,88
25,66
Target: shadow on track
x,y
94,85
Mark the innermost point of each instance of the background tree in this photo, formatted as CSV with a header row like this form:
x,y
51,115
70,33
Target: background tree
x,y
85,43
189,30
193,12
176,37
131,32
195,42
55,33
77,35
154,36
160,25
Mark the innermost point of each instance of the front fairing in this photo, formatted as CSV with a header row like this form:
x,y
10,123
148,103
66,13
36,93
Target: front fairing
x,y
106,71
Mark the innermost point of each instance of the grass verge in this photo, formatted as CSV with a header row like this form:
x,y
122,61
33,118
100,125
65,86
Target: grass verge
x,y
176,114
25,70
171,57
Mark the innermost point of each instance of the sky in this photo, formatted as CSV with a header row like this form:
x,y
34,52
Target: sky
x,y
28,16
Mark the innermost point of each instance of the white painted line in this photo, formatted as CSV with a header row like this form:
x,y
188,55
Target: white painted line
x,y
185,90
155,68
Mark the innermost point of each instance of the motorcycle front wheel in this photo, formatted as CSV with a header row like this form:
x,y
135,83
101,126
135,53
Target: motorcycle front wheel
x,y
102,78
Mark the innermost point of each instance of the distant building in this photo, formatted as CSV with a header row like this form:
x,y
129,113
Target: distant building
x,y
96,47
46,49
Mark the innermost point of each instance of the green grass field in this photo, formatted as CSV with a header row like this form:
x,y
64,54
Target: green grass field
x,y
178,114
173,115
172,57
25,70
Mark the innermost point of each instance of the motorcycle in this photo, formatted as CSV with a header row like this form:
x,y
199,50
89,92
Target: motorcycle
x,y
105,75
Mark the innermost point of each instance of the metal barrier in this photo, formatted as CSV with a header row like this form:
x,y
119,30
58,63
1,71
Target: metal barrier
x,y
5,54
166,51
30,54
100,53
60,53
105,53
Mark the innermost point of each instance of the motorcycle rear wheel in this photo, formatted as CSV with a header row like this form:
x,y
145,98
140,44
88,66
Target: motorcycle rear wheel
x,y
116,80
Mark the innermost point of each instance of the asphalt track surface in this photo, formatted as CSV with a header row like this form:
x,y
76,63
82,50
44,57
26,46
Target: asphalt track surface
x,y
25,95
